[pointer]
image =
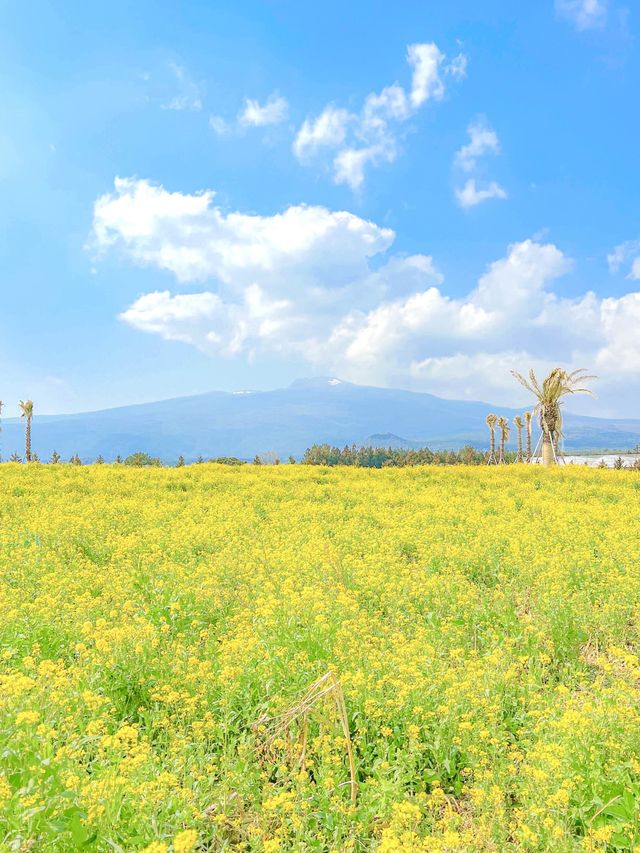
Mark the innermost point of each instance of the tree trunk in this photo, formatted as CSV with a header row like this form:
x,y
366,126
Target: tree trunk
x,y
502,439
548,456
519,458
27,440
492,447
529,441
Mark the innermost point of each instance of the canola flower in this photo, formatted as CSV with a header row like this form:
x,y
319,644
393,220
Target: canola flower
x,y
482,623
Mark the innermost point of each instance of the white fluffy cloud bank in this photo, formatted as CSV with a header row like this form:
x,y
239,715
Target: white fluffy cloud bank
x,y
369,137
323,287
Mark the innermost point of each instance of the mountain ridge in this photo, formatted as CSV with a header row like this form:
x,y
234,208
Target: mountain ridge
x,y
287,420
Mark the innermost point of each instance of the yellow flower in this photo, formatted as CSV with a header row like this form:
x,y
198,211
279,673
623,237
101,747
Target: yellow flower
x,y
185,841
28,717
5,789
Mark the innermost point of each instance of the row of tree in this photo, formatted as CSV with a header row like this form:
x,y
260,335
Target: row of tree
x,y
502,423
385,457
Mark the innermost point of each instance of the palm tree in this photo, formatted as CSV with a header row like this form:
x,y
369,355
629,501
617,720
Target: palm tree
x,y
549,396
491,421
527,418
27,413
503,423
518,425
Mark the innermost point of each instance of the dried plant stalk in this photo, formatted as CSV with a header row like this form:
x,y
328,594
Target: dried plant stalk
x,y
326,685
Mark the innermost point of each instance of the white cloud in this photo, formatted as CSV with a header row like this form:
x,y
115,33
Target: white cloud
x,y
320,287
397,332
189,97
273,112
205,321
625,252
220,126
329,129
425,83
184,317
470,194
457,68
620,323
253,114
483,140
369,136
190,237
349,163
584,14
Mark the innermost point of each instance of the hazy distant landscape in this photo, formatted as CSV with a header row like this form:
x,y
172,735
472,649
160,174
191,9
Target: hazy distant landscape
x,y
289,420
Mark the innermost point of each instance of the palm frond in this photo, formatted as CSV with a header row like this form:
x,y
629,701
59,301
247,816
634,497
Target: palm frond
x,y
537,390
523,381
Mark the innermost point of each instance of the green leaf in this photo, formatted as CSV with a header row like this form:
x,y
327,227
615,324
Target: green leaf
x,y
77,830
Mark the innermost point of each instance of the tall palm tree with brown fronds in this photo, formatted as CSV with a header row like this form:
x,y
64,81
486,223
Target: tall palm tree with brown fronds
x,y
558,384
503,423
27,413
491,421
519,425
527,419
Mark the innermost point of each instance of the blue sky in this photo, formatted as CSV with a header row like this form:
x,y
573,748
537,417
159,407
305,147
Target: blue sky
x,y
421,195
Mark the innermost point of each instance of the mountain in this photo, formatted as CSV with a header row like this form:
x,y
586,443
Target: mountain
x,y
287,421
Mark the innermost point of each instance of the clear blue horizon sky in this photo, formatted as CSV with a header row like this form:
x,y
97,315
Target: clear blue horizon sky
x,y
232,195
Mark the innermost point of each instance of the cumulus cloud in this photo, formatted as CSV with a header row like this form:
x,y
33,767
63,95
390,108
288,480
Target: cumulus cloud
x,y
329,129
273,112
426,82
482,140
325,288
583,14
369,136
189,236
620,322
253,114
471,194
349,164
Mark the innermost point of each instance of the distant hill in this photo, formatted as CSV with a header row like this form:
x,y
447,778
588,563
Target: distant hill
x,y
287,421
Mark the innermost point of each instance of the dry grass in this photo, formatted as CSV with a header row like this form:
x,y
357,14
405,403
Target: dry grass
x,y
281,725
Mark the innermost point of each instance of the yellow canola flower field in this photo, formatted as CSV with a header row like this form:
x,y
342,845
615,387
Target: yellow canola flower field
x,y
482,624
